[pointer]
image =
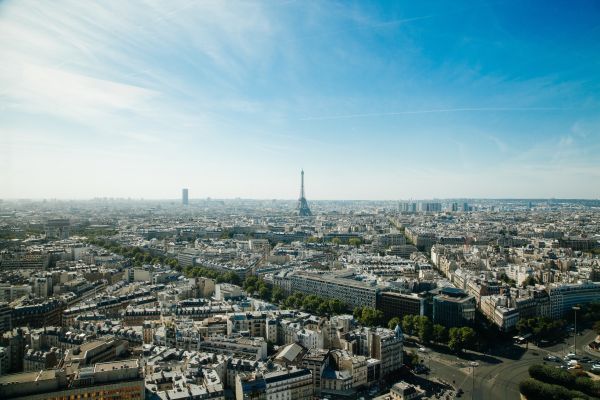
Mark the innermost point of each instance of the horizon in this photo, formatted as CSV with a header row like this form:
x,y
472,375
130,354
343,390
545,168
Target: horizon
x,y
209,198
375,101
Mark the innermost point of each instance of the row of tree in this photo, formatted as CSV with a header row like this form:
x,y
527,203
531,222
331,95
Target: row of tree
x,y
542,328
256,285
368,316
457,338
553,383
137,255
589,312
219,277
314,304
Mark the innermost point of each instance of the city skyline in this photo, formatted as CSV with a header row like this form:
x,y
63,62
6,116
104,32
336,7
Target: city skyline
x,y
376,102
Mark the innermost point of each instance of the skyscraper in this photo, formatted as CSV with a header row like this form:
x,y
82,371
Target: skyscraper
x,y
184,197
303,209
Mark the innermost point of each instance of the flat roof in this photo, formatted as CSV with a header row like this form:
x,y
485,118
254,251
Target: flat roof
x,y
109,366
25,377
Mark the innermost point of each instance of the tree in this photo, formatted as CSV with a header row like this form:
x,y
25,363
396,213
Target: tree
x,y
264,293
541,328
336,241
529,281
408,324
454,339
356,242
468,336
424,328
393,322
461,338
440,333
369,316
277,295
336,306
323,307
411,358
311,303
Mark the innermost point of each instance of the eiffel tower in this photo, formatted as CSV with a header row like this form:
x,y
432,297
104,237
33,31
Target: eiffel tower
x,y
302,207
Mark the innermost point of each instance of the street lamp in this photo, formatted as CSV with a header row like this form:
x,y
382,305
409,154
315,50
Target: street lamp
x,y
576,308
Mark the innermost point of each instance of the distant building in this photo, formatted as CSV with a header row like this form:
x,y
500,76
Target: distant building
x,y
453,307
5,318
184,197
57,228
292,384
394,304
407,207
424,206
303,209
564,297
115,380
405,391
350,292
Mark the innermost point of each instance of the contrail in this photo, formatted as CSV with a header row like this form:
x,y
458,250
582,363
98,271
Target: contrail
x,y
432,111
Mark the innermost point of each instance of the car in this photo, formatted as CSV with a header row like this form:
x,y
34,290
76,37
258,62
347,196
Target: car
x,y
572,356
474,364
595,367
422,349
585,359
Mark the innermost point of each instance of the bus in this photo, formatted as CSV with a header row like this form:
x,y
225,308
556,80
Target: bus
x,y
522,339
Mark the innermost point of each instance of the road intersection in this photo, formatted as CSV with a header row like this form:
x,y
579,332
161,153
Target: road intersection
x,y
498,371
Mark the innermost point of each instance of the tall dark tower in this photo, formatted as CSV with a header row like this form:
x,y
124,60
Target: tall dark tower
x,y
303,209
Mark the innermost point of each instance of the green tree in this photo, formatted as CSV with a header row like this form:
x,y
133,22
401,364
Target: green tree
x,y
311,303
393,322
369,316
440,333
424,328
277,295
529,281
468,336
461,338
454,339
336,306
408,324
323,308
356,242
336,241
264,293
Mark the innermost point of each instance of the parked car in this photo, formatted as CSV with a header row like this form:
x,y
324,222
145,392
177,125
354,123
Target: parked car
x,y
550,357
572,356
423,350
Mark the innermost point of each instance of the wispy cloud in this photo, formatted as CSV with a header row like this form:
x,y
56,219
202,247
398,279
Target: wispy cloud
x,y
433,111
181,86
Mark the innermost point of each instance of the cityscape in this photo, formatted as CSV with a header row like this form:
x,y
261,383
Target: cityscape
x,y
299,200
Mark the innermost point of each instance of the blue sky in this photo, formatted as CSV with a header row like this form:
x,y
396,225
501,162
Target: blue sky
x,y
374,100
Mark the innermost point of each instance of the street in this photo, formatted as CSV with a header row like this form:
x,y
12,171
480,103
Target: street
x,y
498,372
